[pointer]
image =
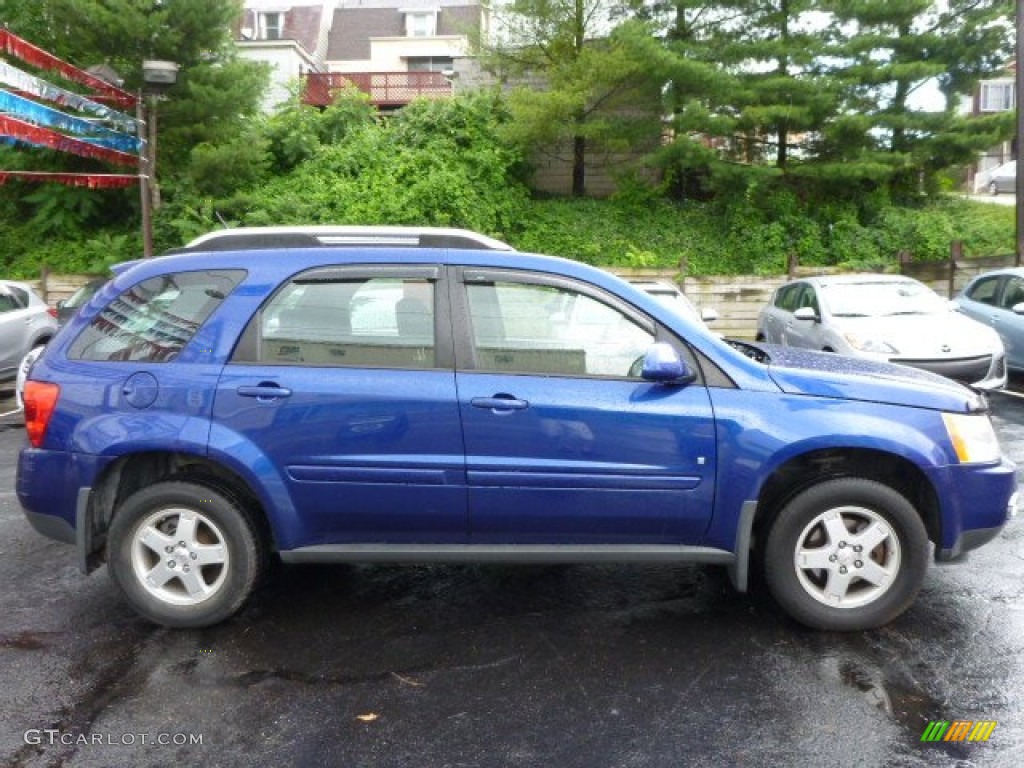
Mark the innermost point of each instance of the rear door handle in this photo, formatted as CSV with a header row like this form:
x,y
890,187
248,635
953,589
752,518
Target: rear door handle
x,y
500,403
264,391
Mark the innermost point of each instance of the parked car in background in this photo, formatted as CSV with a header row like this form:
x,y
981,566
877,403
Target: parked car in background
x,y
211,410
1003,178
26,322
675,299
997,299
888,318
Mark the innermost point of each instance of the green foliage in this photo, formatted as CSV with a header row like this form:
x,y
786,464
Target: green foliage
x,y
296,131
219,169
435,163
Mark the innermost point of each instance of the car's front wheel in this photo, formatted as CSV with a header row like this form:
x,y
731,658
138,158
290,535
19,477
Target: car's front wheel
x,y
993,188
183,554
846,554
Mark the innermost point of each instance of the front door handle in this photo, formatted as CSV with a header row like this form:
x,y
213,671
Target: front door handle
x,y
500,403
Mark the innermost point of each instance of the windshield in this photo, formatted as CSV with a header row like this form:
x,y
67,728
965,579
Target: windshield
x,y
881,299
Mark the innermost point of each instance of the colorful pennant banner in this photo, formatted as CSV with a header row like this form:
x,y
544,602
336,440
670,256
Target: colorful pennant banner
x,y
39,114
37,57
90,180
33,135
34,86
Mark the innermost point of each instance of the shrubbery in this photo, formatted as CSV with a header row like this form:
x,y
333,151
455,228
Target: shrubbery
x,y
443,163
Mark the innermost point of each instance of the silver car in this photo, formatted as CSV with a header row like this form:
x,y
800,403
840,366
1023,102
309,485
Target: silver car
x,y
1003,178
888,318
26,322
996,298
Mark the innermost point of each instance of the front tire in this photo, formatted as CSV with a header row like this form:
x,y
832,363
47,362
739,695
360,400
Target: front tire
x,y
846,554
184,555
993,189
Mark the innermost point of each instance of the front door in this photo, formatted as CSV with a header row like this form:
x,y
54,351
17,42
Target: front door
x,y
565,444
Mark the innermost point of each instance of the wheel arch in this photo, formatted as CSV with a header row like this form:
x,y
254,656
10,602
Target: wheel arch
x,y
133,472
803,471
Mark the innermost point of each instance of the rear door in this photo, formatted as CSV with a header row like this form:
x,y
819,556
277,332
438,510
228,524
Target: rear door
x,y
565,444
344,383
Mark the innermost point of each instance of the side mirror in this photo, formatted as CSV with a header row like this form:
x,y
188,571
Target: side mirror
x,y
709,315
662,364
805,313
954,305
1018,309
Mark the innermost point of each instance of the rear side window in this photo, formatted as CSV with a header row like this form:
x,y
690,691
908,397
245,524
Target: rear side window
x,y
1013,294
153,320
371,322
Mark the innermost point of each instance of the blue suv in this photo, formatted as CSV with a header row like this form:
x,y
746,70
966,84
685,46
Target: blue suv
x,y
441,398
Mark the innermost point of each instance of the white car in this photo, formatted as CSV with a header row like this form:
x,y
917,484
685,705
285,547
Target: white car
x,y
888,318
673,298
26,322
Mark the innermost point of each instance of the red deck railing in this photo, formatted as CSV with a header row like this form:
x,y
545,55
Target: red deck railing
x,y
385,89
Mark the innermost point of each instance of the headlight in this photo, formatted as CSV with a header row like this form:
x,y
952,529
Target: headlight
x,y
870,345
973,437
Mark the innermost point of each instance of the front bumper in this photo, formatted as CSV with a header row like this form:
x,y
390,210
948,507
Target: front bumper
x,y
976,502
985,372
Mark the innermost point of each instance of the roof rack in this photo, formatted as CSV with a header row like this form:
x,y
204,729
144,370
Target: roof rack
x,y
252,238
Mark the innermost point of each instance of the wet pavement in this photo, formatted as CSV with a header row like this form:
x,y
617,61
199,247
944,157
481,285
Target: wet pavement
x,y
503,666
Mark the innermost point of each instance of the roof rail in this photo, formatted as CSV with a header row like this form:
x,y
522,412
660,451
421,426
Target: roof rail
x,y
252,238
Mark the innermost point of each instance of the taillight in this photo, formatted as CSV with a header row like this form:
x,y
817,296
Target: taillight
x,y
51,312
40,400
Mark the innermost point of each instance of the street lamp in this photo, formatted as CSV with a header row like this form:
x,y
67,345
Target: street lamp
x,y
157,77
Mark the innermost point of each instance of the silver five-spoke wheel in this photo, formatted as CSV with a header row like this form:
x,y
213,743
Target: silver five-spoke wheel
x,y
847,557
179,556
846,553
185,553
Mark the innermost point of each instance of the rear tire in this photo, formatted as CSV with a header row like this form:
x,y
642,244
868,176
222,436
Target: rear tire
x,y
183,554
993,189
846,554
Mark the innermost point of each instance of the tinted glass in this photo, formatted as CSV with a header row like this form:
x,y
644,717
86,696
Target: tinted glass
x,y
1013,293
369,322
7,302
525,328
153,320
984,291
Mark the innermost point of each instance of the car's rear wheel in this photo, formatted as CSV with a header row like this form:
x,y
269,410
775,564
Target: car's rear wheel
x,y
993,188
184,554
846,554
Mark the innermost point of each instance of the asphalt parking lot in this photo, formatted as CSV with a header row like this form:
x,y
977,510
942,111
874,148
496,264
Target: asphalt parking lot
x,y
503,666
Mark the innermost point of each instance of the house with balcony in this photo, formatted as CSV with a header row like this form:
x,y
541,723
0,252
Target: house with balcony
x,y
397,50
289,35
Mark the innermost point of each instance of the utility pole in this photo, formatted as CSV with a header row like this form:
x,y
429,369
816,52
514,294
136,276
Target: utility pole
x,y
1018,98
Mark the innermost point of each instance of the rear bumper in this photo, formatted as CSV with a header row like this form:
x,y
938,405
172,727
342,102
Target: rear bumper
x,y
50,487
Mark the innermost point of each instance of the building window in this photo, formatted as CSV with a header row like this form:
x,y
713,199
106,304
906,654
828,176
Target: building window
x,y
996,96
420,23
271,26
430,63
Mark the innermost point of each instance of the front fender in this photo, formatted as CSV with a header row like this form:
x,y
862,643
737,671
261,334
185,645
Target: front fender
x,y
758,433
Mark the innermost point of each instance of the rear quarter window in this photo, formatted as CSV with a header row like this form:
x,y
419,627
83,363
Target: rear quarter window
x,y
154,319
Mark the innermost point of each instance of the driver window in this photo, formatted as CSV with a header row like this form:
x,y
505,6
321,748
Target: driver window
x,y
542,329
